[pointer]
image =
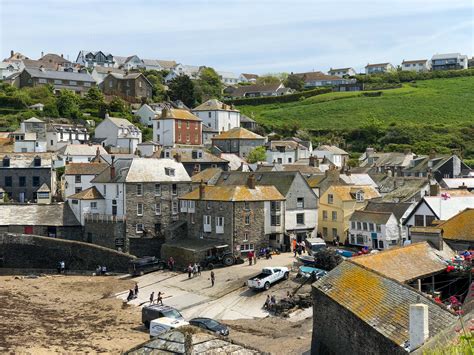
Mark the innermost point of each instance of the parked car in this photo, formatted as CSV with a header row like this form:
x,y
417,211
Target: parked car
x,y
313,245
163,324
145,265
155,311
267,277
210,324
308,271
218,255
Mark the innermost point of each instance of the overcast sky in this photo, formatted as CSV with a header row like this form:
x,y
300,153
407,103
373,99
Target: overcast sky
x,y
259,36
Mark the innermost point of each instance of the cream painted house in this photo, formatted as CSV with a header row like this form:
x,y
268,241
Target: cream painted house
x,y
336,206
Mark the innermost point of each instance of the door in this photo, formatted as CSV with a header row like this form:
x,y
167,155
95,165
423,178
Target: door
x,y
375,244
28,229
52,232
21,197
114,207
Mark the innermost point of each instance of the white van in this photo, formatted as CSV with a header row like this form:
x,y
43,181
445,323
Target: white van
x,y
163,324
313,245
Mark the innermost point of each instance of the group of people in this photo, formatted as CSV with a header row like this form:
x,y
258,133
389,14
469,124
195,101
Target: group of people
x,y
132,293
298,247
61,267
270,302
101,270
159,298
194,270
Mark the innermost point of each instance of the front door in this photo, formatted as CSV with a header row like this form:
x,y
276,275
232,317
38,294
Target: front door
x,y
21,197
114,207
375,244
28,229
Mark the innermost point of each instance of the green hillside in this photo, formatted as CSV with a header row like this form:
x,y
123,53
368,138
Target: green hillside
x,y
446,101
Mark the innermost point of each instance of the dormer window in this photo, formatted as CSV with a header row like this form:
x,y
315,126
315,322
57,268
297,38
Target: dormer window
x,y
169,171
6,162
360,196
37,161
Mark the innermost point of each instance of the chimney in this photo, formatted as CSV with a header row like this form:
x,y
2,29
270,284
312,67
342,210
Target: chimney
x,y
177,157
251,181
434,189
164,112
42,54
97,155
313,161
202,189
432,154
62,56
419,330
332,174
12,53
112,168
463,186
369,151
348,171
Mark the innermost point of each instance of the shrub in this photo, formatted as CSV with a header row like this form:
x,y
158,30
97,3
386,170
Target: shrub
x,y
279,99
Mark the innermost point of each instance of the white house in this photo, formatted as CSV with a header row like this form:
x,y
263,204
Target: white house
x,y
228,78
10,68
89,201
190,70
78,176
128,63
335,155
341,72
375,230
119,133
248,78
217,115
27,142
449,61
421,65
147,149
285,152
78,153
379,68
148,112
95,58
58,135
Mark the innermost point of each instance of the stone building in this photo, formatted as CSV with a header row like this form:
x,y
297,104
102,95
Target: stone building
x,y
131,86
245,217
22,174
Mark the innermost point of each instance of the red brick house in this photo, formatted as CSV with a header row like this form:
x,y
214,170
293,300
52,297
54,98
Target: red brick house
x,y
177,127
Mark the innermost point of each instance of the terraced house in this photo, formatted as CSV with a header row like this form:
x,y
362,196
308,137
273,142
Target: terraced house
x,y
245,217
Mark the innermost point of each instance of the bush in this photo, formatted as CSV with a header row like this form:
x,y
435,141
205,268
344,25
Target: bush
x,y
12,102
279,99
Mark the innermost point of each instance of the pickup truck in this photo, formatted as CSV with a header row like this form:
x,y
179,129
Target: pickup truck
x,y
268,276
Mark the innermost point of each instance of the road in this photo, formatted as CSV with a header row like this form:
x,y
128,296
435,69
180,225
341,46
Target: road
x,y
229,299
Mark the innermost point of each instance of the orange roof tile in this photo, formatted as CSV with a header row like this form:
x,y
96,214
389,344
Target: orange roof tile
x,y
460,226
347,192
178,114
89,194
236,194
238,133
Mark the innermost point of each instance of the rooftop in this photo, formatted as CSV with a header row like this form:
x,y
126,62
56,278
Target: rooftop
x,y
88,194
176,113
207,176
348,192
238,133
408,263
460,226
331,148
398,209
85,168
27,160
380,302
57,214
236,194
372,217
61,75
82,149
155,170
214,105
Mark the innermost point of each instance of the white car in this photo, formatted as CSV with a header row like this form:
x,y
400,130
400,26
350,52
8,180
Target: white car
x,y
267,277
163,324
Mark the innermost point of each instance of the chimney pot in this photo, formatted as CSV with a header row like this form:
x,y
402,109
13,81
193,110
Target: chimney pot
x,y
42,54
434,189
251,181
202,190
12,53
418,328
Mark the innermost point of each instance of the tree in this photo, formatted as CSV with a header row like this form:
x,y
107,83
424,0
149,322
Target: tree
x,y
67,103
257,154
118,105
268,79
208,85
295,82
156,78
93,99
182,88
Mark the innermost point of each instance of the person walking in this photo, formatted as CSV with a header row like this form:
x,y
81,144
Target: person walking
x,y
152,297
171,263
195,269
159,299
199,269
213,278
63,267
130,295
190,270
136,290
250,256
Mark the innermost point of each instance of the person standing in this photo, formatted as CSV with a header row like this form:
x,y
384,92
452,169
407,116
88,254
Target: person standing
x,y
159,299
255,258
171,263
190,270
63,267
199,269
152,297
130,295
250,256
195,269
213,278
136,290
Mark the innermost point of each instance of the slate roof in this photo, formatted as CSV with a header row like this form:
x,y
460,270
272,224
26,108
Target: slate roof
x,y
389,159
317,76
414,61
85,168
398,209
377,65
238,133
331,148
88,194
246,119
371,217
26,160
380,302
281,180
121,171
445,209
287,144
239,193
235,162
358,179
214,105
400,189
58,214
407,263
154,170
460,226
106,70
187,156
62,75
82,149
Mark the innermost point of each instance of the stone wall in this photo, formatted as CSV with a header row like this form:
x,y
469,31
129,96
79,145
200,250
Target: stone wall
x,y
338,331
255,230
145,246
107,234
67,232
35,252
43,174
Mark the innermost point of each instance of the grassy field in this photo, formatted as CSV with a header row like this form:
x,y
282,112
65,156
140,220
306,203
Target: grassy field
x,y
436,101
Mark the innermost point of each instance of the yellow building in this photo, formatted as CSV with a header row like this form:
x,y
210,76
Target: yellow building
x,y
336,206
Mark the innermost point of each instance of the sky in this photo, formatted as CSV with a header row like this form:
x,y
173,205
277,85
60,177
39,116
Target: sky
x,y
250,36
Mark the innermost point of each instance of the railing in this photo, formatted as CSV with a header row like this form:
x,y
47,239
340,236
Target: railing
x,y
107,218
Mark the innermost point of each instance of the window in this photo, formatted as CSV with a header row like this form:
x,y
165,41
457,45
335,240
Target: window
x,y
209,114
179,136
353,225
334,232
359,226
6,162
87,84
105,190
379,228
117,190
325,215
169,171
188,137
325,232
77,190
179,124
360,196
158,208
247,219
157,124
246,237
71,82
75,202
139,228
290,160
246,247
57,81
174,207
330,199
158,138
364,226
220,222
36,181
275,220
157,189
429,220
8,181
187,124
300,202
139,209
139,189
42,81
22,181
419,220
300,218
207,219
334,215
275,206
174,189
247,206
77,179
371,227
93,205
